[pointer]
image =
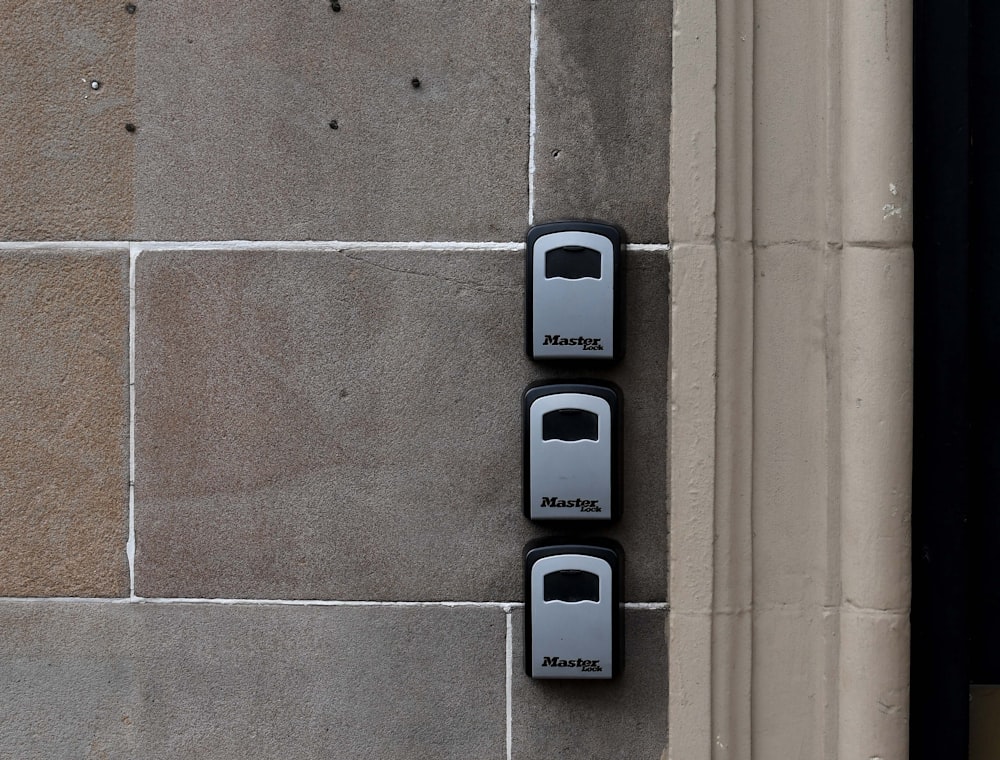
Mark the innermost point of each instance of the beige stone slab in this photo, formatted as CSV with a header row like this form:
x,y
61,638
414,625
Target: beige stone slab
x,y
877,117
66,159
63,422
693,133
690,699
793,684
238,99
346,425
790,116
693,323
791,498
237,681
877,426
603,114
795,521
874,704
595,720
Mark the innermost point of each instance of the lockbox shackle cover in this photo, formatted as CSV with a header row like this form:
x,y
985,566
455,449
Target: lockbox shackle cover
x,y
574,291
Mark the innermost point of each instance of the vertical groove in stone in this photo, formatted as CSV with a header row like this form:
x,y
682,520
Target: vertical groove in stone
x,y
732,630
733,582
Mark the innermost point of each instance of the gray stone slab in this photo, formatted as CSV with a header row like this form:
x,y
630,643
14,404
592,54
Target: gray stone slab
x,y
66,159
346,425
69,682
237,681
596,720
63,422
603,113
235,137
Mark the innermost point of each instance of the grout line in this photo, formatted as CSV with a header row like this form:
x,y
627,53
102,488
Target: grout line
x,y
532,110
505,606
509,681
291,245
335,246
76,245
327,602
133,254
330,245
647,605
651,247
255,245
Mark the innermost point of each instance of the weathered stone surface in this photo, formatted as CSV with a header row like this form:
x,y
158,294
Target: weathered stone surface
x,y
346,425
66,159
430,101
63,423
87,679
595,720
603,100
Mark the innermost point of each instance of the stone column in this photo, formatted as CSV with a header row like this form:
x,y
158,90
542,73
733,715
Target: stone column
x,y
791,380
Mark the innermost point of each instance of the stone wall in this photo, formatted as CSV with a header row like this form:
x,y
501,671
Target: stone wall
x,y
261,348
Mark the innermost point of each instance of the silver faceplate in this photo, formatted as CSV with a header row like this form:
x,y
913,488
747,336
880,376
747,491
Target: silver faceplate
x,y
570,471
572,309
569,632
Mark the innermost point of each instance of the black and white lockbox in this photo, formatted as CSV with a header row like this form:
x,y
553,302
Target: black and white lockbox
x,y
573,592
574,300
572,451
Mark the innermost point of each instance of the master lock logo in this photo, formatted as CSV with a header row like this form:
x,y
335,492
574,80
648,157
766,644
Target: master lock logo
x,y
586,666
584,505
589,344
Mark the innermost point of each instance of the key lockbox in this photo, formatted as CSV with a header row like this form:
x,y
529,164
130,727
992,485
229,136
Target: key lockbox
x,y
572,451
574,305
573,594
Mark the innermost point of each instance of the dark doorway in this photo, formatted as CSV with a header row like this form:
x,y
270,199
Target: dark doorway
x,y
956,482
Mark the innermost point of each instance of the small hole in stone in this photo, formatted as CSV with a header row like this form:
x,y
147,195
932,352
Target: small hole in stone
x,y
556,152
334,124
415,82
130,8
130,127
335,6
